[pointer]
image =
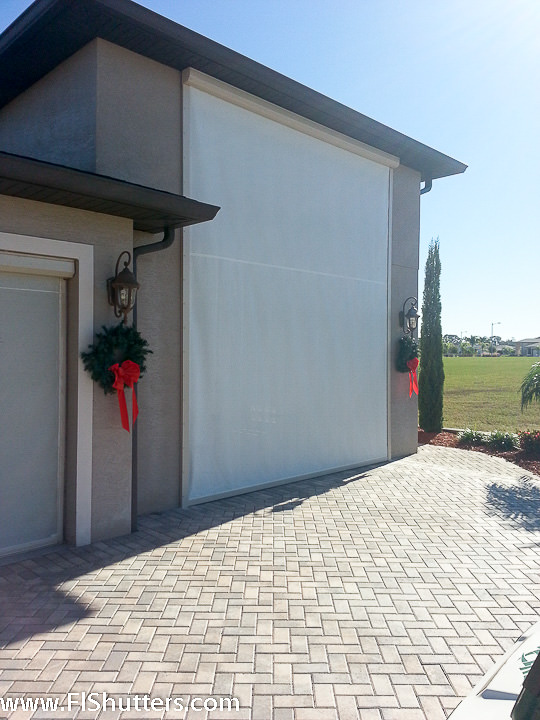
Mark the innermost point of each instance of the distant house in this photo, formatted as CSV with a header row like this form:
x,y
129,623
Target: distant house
x,y
478,349
274,323
529,347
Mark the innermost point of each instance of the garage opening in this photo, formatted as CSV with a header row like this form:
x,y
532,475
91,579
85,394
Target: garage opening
x,y
32,392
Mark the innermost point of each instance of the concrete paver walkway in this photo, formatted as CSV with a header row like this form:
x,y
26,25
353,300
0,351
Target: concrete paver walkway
x,y
383,595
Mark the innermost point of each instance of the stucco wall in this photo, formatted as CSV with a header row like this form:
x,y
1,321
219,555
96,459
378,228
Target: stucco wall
x,y
111,449
111,111
55,119
403,419
138,119
105,110
159,429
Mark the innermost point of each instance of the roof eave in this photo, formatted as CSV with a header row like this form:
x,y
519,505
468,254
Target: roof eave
x,y
51,30
151,210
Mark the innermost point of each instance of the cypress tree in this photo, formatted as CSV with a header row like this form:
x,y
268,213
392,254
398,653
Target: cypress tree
x,y
431,376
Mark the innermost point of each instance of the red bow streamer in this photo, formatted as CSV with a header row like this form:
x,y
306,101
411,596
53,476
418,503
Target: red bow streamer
x,y
126,374
413,378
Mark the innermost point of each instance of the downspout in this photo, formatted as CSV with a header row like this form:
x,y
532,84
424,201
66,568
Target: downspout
x,y
427,186
168,239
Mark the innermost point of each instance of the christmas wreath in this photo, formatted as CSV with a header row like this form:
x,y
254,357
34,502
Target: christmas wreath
x,y
114,345
117,358
407,350
407,361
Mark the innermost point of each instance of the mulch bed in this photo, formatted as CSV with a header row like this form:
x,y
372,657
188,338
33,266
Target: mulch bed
x,y
448,439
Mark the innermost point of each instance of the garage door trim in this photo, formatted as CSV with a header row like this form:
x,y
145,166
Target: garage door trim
x,y
82,258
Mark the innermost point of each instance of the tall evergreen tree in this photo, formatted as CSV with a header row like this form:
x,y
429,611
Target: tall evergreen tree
x,y
431,377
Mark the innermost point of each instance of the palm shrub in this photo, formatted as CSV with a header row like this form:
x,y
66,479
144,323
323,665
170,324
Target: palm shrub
x,y
431,380
530,387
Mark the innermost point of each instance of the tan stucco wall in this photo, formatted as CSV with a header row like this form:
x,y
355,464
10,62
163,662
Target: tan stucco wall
x,y
138,135
105,110
405,223
55,119
159,313
111,111
111,449
139,140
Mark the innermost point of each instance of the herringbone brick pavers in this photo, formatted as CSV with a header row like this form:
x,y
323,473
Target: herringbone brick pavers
x,y
381,595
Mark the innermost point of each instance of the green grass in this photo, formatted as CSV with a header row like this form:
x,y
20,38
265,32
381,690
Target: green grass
x,y
483,394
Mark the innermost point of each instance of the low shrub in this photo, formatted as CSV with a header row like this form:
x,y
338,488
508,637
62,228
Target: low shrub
x,y
527,440
471,437
530,441
502,441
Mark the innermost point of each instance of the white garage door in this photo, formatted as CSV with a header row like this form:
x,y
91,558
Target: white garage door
x,y
32,413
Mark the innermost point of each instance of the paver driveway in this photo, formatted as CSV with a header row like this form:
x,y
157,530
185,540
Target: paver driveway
x,y
381,595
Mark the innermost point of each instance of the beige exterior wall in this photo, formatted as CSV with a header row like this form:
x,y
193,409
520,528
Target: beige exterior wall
x,y
111,447
138,134
159,433
105,110
405,224
55,119
110,111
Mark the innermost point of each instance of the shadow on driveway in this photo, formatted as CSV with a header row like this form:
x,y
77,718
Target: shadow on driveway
x,y
518,503
38,592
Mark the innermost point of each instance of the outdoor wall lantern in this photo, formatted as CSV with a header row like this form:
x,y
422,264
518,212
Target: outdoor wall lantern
x,y
408,319
122,288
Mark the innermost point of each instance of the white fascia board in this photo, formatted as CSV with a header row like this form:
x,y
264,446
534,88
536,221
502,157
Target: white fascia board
x,y
224,91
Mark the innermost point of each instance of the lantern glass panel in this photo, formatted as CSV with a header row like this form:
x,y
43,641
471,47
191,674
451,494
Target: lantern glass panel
x,y
123,298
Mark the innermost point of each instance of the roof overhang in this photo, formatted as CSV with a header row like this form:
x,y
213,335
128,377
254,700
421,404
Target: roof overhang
x,y
49,31
151,210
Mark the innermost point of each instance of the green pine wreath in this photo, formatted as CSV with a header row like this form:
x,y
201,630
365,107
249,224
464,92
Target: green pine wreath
x,y
407,350
114,344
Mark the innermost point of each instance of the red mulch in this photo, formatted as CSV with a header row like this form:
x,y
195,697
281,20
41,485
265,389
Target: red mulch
x,y
448,439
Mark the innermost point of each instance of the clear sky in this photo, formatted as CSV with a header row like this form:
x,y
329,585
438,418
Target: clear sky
x,y
461,76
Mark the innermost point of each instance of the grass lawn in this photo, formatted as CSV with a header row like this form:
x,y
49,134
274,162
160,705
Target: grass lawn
x,y
483,394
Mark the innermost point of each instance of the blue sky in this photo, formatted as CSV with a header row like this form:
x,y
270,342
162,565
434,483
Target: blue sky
x,y
460,76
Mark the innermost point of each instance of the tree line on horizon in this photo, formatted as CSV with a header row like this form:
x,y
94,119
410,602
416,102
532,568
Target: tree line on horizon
x,y
476,344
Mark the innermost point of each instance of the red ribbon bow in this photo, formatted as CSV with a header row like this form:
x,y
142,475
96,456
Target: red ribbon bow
x,y
126,374
412,364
